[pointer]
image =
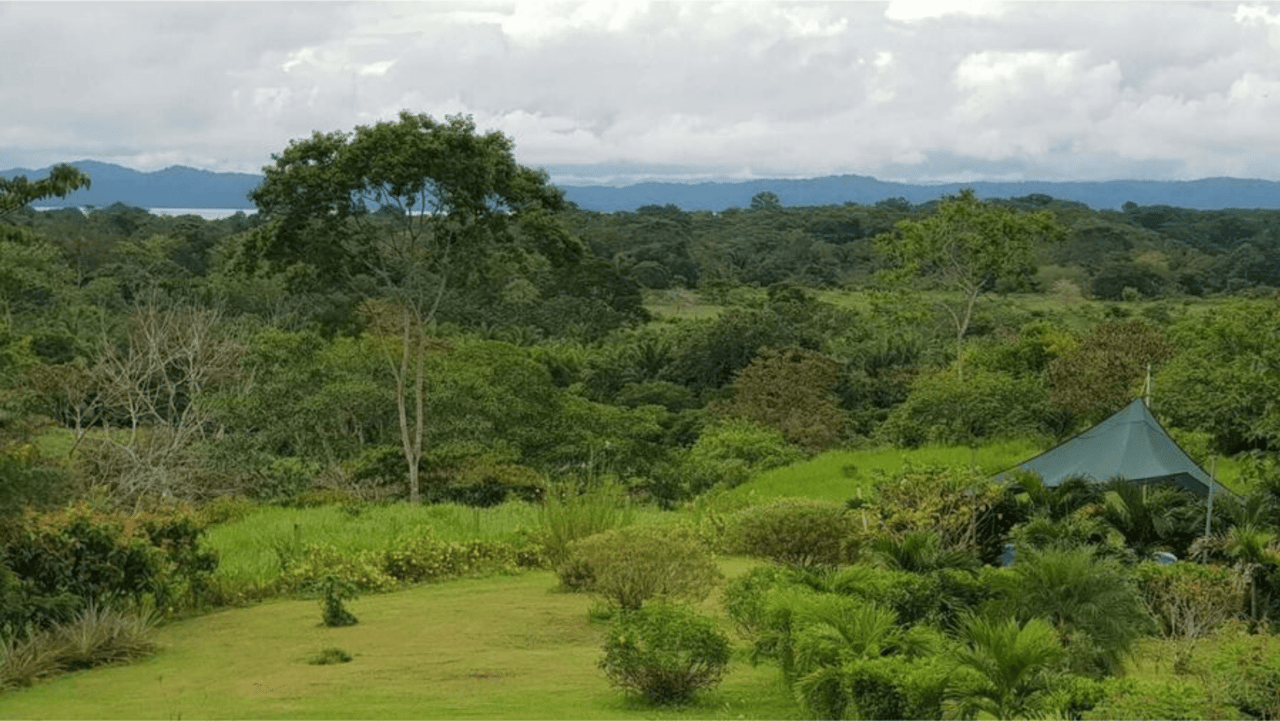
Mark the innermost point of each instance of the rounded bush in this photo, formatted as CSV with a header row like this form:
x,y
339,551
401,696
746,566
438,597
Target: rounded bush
x,y
630,565
665,653
796,532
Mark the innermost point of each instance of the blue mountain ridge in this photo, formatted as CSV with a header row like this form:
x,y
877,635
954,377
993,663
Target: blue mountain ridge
x,y
183,187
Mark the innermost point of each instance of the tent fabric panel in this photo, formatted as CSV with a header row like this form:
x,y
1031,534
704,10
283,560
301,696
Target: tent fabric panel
x,y
1130,444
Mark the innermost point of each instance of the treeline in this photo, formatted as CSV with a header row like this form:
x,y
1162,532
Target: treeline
x,y
149,359
1154,251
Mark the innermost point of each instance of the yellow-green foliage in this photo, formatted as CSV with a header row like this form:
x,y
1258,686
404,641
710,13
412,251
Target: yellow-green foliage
x,y
947,501
630,565
796,532
1192,600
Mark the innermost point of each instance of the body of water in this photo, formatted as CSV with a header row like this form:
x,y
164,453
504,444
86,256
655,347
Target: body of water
x,y
206,213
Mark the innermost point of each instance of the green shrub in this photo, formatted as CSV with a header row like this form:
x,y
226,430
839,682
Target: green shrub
x,y
1128,698
631,565
330,655
915,598
65,560
333,591
727,453
896,687
796,532
665,653
318,561
1191,600
1093,602
96,636
744,597
426,558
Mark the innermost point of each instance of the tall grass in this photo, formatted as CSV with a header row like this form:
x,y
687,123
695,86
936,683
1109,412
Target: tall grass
x,y
251,549
569,514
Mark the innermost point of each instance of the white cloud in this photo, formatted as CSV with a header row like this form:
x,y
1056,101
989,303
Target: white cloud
x,y
903,91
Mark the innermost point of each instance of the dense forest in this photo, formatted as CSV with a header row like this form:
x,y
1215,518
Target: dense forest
x,y
435,323
542,356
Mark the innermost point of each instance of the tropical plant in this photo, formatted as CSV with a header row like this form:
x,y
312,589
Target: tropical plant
x,y
1092,602
1008,667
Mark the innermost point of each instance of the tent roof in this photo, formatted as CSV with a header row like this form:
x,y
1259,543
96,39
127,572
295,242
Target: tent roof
x,y
1130,444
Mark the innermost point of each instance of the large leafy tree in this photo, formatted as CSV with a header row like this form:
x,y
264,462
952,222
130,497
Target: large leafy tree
x,y
968,247
418,206
17,193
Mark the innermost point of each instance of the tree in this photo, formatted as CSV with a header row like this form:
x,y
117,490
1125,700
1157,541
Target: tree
x,y
1007,667
1103,373
443,199
17,193
968,246
791,391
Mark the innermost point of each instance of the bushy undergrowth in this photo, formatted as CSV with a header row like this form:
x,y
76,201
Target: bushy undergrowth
x,y
1192,601
63,561
665,653
96,636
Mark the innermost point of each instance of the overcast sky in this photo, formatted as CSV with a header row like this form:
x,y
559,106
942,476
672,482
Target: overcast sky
x,y
613,92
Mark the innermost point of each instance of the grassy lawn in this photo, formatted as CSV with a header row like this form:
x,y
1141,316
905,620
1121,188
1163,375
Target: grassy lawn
x,y
496,648
841,475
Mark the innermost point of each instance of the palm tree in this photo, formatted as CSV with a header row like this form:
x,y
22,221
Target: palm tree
x,y
920,552
832,631
1254,549
1092,601
1007,667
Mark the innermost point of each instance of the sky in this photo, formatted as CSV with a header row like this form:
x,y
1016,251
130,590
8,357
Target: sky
x,y
620,92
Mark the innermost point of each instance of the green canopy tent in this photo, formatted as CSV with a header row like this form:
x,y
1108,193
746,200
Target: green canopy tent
x,y
1131,445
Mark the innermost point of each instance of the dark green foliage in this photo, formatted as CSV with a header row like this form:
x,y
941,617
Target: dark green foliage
x,y
330,655
1225,377
333,591
982,406
94,636
1106,370
898,687
791,391
629,566
26,479
796,532
667,654
745,597
65,560
1092,601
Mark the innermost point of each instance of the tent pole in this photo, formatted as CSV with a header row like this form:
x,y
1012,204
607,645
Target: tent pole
x,y
1146,388
1208,514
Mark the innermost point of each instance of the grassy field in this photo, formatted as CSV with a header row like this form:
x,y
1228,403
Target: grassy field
x,y
841,475
497,648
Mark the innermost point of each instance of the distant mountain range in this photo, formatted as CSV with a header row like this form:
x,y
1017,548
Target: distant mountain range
x,y
183,187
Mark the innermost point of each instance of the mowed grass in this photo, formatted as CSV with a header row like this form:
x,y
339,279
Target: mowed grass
x,y
507,647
